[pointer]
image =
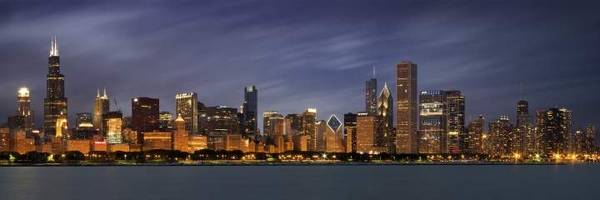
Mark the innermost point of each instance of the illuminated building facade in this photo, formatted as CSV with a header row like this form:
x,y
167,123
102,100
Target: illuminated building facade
x,y
180,135
158,140
144,115
186,105
114,127
455,110
385,137
334,137
165,121
222,120
553,129
4,139
250,110
101,107
503,138
273,123
309,119
525,134
24,112
55,103
406,107
474,137
366,126
432,122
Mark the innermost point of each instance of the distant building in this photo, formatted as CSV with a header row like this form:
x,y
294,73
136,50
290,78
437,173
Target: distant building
x,y
181,136
165,121
273,123
455,106
158,140
222,120
350,124
309,119
503,138
433,122
371,96
474,137
113,121
334,137
250,110
554,129
187,106
144,115
366,126
101,107
24,112
526,136
55,103
385,137
406,107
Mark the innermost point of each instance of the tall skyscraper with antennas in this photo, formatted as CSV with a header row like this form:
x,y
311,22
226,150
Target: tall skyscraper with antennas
x,y
371,95
55,103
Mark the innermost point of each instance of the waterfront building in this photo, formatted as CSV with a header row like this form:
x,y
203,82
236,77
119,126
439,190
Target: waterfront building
x,y
455,125
250,110
222,120
113,122
366,126
144,115
5,139
350,124
165,120
432,122
309,119
24,112
503,138
186,105
406,107
371,96
55,103
101,107
474,137
385,138
553,127
181,135
527,140
333,136
158,140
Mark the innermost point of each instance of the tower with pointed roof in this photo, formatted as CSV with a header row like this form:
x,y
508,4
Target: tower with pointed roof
x,y
385,136
101,107
55,103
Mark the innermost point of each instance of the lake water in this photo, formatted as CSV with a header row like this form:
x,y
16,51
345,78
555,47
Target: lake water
x,y
302,182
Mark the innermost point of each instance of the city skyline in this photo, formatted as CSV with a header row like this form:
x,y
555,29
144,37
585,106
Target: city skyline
x,y
287,94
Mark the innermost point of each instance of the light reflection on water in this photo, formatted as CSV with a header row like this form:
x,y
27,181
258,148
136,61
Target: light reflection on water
x,y
301,182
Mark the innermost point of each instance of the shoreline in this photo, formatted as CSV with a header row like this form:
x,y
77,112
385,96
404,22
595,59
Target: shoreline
x,y
274,164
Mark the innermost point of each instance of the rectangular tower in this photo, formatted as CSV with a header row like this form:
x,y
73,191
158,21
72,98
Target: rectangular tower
x,y
144,115
406,107
186,105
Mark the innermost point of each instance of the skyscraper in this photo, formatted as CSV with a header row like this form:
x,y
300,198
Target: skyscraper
x,y
272,123
554,129
455,107
165,120
432,122
474,137
55,103
144,115
101,106
114,126
503,137
24,112
309,118
526,137
385,125
371,96
334,136
186,105
250,110
350,131
406,107
366,126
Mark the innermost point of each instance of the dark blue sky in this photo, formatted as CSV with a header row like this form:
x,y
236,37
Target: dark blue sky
x,y
307,53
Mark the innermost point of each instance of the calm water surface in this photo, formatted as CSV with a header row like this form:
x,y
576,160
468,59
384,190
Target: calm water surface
x,y
302,182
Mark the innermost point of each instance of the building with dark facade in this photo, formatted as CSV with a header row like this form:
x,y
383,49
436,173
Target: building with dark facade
x,y
406,107
455,109
144,115
525,135
474,137
55,103
371,96
433,135
350,131
553,127
250,110
385,137
101,107
24,111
